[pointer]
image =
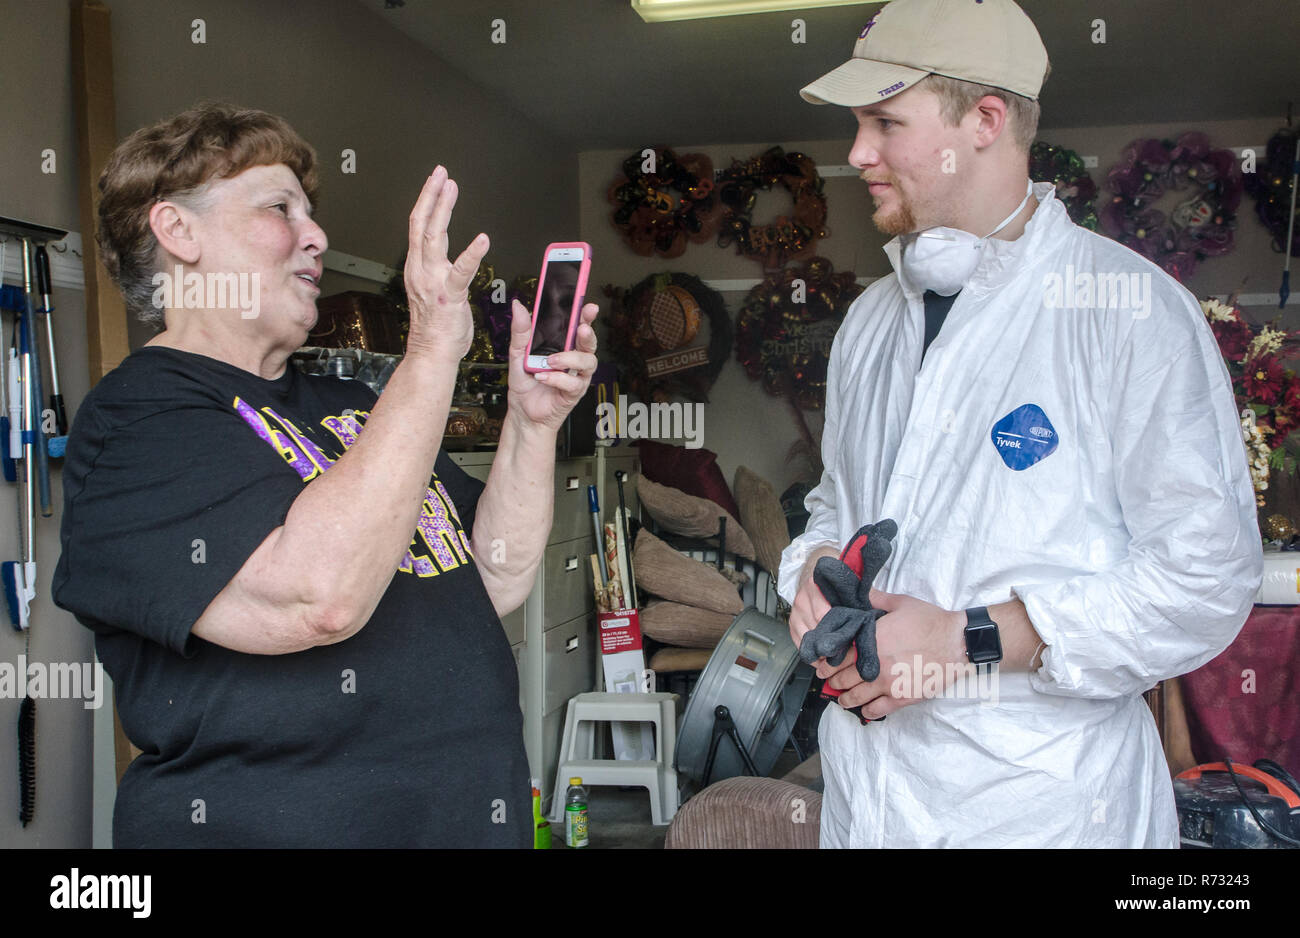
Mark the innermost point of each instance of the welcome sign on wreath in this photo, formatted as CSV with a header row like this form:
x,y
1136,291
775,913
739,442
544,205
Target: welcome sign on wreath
x,y
670,335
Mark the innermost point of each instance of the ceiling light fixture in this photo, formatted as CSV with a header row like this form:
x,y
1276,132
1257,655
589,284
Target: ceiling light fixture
x,y
663,11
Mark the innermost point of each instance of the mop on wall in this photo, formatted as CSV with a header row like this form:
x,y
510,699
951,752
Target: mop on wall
x,y
23,441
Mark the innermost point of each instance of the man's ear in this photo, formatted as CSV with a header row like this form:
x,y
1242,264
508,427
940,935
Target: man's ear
x,y
171,226
991,113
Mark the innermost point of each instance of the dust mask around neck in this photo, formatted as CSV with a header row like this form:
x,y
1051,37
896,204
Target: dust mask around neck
x,y
943,259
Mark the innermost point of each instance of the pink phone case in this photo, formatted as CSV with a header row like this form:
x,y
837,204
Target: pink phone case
x,y
580,295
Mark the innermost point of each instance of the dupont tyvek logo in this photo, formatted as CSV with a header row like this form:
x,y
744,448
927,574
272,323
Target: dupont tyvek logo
x,y
1024,436
866,29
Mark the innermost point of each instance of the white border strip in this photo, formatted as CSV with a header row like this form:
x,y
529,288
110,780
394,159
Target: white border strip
x,y
65,266
358,267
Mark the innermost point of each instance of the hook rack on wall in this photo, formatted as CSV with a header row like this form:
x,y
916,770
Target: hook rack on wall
x,y
64,246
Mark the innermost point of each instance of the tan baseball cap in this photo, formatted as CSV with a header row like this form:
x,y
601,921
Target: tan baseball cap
x,y
990,42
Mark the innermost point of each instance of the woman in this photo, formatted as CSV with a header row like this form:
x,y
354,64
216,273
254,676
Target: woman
x,y
296,592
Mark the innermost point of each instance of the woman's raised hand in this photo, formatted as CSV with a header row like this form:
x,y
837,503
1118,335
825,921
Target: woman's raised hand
x,y
437,289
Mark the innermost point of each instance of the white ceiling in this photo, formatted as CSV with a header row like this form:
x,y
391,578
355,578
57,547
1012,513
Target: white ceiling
x,y
597,76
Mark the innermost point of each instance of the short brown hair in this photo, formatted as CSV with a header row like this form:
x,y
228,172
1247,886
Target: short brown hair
x,y
957,97
173,159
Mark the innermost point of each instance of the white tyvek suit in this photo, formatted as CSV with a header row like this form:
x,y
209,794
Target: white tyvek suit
x,y
1133,543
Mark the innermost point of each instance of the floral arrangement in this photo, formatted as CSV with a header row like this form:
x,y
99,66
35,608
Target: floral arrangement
x,y
1267,392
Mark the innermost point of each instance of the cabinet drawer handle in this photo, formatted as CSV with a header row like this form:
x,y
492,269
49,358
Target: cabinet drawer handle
x,y
571,645
571,564
571,483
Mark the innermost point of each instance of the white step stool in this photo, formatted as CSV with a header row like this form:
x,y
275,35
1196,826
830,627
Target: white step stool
x,y
578,747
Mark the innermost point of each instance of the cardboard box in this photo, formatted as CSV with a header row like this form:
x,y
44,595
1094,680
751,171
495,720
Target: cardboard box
x,y
625,673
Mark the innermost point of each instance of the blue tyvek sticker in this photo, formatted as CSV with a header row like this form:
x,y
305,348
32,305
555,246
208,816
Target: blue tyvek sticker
x,y
1024,436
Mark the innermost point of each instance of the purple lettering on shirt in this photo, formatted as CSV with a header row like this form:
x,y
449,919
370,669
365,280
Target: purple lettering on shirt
x,y
345,428
282,443
313,451
436,528
440,543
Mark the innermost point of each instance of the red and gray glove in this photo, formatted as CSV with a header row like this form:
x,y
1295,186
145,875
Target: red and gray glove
x,y
846,583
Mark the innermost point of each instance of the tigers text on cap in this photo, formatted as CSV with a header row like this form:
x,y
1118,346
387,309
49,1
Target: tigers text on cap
x,y
990,42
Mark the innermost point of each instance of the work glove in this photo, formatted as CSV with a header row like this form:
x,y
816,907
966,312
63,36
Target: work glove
x,y
846,583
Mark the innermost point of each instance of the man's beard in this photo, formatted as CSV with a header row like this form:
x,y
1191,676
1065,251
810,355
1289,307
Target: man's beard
x,y
899,221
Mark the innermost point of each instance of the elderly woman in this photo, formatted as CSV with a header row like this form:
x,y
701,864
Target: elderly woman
x,y
295,590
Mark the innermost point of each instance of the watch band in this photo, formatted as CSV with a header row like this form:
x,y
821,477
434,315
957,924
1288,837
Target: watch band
x,y
983,640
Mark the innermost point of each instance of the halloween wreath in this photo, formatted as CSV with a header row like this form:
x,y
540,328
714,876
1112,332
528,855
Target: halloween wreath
x,y
651,330
786,326
1270,185
664,201
1200,227
787,237
1074,187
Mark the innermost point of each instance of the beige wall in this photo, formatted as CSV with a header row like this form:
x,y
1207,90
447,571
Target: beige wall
x,y
745,426
344,79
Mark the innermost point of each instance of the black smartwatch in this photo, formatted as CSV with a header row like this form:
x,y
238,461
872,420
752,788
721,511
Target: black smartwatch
x,y
983,643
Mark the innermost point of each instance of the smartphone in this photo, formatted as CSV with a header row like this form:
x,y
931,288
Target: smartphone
x,y
561,289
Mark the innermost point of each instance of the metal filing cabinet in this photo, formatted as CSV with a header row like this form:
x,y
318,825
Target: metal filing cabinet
x,y
553,635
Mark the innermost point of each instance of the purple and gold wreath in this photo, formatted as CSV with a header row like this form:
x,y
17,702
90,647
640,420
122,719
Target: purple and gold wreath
x,y
1202,226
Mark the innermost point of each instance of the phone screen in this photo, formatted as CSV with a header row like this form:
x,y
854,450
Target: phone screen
x,y
555,306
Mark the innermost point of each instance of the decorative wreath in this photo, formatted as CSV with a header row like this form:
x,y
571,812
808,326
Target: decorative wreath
x,y
659,211
1270,185
652,331
1074,187
788,237
784,331
1200,227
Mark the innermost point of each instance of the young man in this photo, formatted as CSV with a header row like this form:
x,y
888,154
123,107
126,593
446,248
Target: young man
x,y
1067,474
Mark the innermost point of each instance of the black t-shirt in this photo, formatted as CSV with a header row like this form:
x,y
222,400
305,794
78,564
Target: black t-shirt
x,y
406,734
936,311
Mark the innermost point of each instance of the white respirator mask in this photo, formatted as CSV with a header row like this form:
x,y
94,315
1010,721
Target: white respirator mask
x,y
943,259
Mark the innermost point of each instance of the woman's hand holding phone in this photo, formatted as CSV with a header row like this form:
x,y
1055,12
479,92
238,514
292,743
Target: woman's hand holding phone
x,y
545,398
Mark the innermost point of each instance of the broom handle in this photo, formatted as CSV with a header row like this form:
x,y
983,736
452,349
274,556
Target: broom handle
x,y
1295,184
45,285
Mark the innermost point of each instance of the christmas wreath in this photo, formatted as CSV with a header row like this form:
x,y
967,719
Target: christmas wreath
x,y
1270,185
1074,187
651,328
1200,227
787,237
786,326
664,201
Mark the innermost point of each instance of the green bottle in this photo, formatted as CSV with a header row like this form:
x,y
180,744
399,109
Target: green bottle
x,y
541,826
575,814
